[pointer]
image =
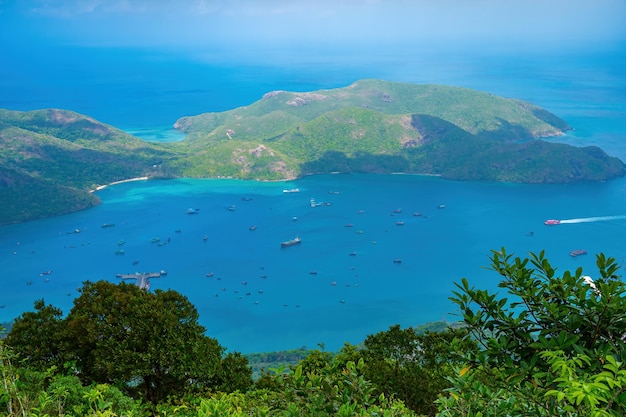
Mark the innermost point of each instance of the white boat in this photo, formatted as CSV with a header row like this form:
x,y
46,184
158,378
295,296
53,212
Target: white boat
x,y
291,242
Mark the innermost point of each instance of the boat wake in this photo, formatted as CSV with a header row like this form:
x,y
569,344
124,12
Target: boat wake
x,y
593,219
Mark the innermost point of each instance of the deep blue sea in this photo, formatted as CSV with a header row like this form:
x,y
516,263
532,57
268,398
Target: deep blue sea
x,y
341,283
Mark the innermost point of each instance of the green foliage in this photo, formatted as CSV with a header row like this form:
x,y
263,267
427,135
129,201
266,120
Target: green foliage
x,y
555,345
263,360
50,159
148,344
29,392
413,367
36,337
335,389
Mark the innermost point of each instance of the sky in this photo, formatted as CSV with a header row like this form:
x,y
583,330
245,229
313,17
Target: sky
x,y
261,23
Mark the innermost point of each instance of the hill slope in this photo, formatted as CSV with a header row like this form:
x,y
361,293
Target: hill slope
x,y
379,126
51,159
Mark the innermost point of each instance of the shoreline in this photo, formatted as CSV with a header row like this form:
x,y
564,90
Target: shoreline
x,y
102,187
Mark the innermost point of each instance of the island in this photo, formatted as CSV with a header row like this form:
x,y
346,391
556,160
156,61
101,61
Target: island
x,y
51,160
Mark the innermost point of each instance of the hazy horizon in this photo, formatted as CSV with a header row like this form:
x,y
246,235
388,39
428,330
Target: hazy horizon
x,y
244,27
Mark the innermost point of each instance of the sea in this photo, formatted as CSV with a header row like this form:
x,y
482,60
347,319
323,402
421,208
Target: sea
x,y
376,250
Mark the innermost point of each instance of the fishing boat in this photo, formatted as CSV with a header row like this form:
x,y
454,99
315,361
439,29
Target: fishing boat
x,y
551,222
291,242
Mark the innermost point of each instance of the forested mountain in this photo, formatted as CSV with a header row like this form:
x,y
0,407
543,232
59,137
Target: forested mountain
x,y
51,159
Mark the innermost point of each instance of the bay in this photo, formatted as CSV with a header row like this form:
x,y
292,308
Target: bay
x,y
341,283
262,297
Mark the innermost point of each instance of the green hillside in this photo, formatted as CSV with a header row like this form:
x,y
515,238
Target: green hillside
x,y
51,159
380,126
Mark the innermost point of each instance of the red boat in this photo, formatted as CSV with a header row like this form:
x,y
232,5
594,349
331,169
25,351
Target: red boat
x,y
551,222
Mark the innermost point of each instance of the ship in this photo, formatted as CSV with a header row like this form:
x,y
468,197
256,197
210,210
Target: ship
x,y
576,252
291,242
551,222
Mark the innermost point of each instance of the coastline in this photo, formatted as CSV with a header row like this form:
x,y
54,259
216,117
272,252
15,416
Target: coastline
x,y
102,187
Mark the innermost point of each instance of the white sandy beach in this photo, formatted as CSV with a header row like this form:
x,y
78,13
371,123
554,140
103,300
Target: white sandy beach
x,y
102,187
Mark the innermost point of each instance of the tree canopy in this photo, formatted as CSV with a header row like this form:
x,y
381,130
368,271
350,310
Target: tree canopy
x,y
554,346
150,344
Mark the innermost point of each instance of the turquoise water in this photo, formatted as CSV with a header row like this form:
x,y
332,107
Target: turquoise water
x,y
264,297
261,297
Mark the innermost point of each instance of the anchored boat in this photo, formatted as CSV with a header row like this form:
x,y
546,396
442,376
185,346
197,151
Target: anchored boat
x,y
291,242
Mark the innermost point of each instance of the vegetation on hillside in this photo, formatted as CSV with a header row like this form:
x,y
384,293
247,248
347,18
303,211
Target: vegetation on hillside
x,y
50,159
546,344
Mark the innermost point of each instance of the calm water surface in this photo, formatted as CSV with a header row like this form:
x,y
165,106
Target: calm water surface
x,y
341,283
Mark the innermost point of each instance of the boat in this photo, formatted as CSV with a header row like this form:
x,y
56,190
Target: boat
x,y
551,222
291,190
119,252
193,210
253,228
441,206
291,242
400,223
105,225
232,208
577,252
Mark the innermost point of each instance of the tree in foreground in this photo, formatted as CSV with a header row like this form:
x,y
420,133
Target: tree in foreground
x,y
556,346
413,367
149,344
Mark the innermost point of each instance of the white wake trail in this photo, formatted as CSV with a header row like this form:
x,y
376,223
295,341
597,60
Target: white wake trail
x,y
593,219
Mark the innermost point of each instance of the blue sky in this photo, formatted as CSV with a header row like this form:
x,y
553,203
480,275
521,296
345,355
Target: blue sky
x,y
206,23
